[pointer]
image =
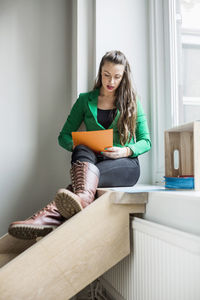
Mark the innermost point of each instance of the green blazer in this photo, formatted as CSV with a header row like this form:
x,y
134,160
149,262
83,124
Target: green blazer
x,y
85,110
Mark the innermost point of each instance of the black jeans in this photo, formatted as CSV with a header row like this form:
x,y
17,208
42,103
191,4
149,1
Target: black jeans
x,y
113,172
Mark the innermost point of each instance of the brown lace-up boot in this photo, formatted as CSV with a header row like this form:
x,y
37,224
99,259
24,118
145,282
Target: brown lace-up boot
x,y
85,179
40,224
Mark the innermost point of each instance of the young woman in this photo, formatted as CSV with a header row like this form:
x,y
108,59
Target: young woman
x,y
111,104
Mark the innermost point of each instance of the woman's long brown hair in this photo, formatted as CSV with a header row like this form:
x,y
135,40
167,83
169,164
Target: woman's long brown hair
x,y
125,98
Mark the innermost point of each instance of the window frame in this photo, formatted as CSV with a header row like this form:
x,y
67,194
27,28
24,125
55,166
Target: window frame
x,y
165,89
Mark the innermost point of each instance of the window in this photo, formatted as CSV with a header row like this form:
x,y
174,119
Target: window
x,y
174,27
189,61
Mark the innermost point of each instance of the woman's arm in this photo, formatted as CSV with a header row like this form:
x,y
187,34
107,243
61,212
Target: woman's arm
x,y
143,141
73,123
142,144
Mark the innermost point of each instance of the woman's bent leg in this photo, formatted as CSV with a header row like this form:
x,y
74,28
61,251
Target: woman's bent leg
x,y
84,177
118,172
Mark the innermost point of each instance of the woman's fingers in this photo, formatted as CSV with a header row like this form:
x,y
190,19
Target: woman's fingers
x,y
115,152
111,148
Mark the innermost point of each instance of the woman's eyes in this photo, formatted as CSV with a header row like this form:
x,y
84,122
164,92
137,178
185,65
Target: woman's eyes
x,y
116,77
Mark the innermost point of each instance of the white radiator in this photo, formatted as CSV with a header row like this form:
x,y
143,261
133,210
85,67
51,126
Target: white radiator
x,y
163,265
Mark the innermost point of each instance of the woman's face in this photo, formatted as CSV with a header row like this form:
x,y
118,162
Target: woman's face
x,y
111,76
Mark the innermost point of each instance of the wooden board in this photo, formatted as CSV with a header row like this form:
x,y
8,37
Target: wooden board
x,y
10,247
75,254
124,197
172,142
182,128
186,154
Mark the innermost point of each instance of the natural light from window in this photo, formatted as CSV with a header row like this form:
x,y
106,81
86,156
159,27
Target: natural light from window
x,y
190,60
190,11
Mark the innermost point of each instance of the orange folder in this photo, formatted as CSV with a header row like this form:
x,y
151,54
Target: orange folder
x,y
95,140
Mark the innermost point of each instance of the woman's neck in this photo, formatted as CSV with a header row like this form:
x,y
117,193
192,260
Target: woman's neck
x,y
106,100
108,95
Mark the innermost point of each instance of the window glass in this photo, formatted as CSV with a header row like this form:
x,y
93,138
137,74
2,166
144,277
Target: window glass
x,y
191,72
190,12
190,62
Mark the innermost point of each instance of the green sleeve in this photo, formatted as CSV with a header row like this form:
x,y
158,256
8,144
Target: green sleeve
x,y
73,122
143,142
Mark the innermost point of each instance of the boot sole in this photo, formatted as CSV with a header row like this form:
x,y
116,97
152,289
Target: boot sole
x,y
67,203
29,232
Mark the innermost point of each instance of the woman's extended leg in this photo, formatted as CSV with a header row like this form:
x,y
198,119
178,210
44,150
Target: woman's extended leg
x,y
39,224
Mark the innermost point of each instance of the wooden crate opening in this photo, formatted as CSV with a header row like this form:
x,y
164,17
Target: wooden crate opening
x,y
182,152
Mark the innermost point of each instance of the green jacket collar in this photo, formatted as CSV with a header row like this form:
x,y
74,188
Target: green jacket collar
x,y
93,102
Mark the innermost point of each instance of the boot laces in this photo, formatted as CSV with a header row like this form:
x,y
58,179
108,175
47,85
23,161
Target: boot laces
x,y
78,176
48,207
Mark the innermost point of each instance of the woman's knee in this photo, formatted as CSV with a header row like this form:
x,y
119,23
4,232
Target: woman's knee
x,y
81,148
83,153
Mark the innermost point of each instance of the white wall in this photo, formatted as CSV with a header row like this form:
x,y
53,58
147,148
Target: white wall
x,y
123,25
35,94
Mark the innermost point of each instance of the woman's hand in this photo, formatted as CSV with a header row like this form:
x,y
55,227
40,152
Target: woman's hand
x,y
117,152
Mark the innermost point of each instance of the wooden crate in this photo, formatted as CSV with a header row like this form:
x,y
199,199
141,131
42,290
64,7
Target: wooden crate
x,y
186,140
